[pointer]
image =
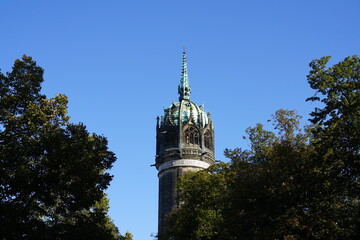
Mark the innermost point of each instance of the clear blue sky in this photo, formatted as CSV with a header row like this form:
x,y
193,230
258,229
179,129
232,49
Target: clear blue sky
x,y
119,62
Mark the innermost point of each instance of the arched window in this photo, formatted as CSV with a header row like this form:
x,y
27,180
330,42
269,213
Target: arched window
x,y
191,136
208,140
171,138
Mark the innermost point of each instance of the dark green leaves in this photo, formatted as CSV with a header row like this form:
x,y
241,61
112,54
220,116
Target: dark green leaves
x,y
52,173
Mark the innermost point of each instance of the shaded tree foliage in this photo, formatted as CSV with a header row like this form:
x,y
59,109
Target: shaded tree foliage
x,y
203,197
255,196
336,139
291,183
52,172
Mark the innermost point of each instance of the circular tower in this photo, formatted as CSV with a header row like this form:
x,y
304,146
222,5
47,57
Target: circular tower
x,y
184,143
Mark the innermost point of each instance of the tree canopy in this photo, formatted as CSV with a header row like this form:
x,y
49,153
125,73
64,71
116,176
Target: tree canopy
x,y
53,173
291,183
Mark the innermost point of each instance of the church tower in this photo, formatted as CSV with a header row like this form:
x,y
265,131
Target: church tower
x,y
184,143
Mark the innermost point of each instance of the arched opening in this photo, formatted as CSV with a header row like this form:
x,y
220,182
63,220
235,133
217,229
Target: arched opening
x,y
171,138
192,136
208,140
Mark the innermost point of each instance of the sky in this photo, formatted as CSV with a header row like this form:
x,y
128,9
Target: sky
x,y
119,63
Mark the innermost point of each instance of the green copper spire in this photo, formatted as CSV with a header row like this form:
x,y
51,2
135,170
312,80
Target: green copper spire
x,y
184,88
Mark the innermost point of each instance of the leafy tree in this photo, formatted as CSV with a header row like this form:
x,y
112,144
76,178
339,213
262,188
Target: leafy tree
x,y
255,196
127,236
336,138
269,196
52,172
203,197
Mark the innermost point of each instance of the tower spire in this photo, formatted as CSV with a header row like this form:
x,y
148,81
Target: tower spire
x,y
184,88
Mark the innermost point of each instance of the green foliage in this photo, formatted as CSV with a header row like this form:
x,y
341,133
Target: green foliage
x,y
290,184
52,172
268,197
255,196
336,138
127,236
202,198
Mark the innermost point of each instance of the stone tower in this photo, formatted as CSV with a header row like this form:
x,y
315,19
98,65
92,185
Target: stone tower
x,y
184,143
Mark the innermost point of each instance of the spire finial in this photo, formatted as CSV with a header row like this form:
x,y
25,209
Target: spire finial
x,y
184,88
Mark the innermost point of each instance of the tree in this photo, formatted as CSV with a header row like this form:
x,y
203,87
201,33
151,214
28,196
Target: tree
x,y
255,196
338,122
127,236
336,138
269,197
202,198
53,173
